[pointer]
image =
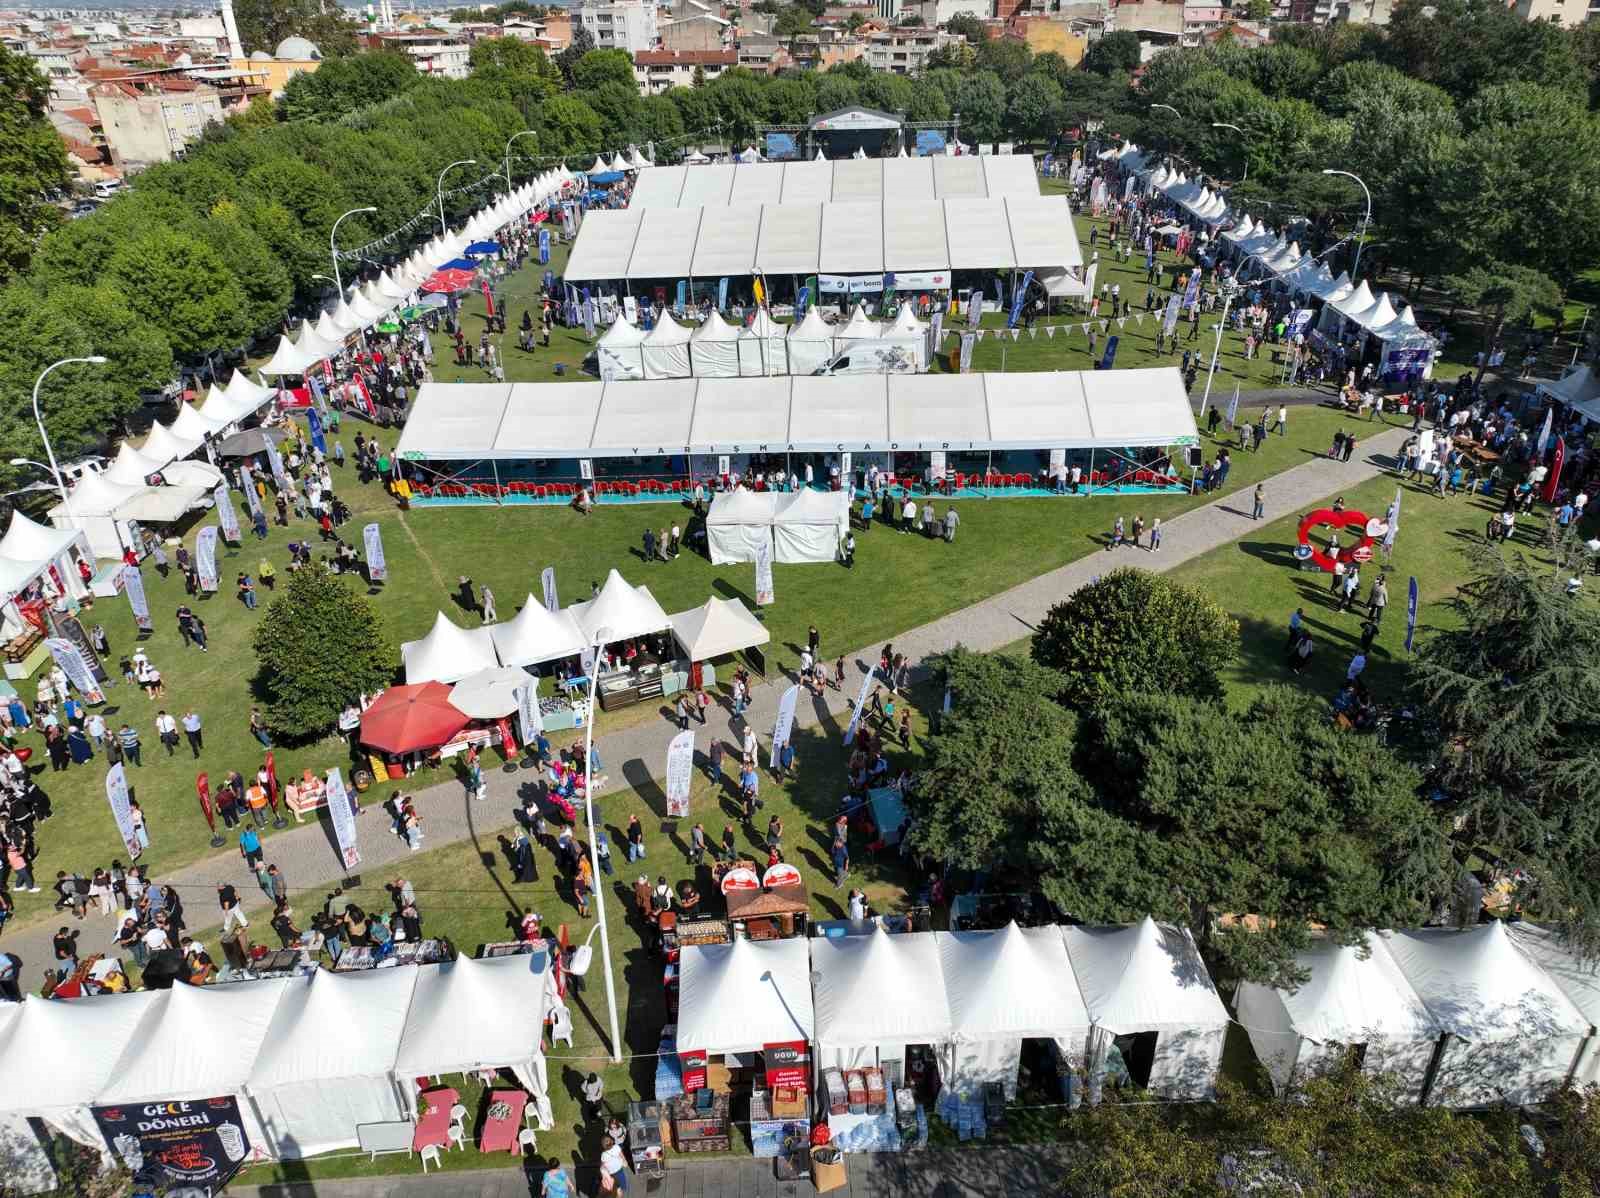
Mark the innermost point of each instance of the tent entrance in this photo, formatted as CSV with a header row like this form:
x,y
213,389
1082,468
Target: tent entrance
x,y
1138,1052
1355,1057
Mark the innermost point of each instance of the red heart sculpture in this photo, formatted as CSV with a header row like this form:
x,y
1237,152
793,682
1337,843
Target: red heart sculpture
x,y
1361,551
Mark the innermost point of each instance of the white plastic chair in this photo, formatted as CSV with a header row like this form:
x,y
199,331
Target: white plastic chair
x,y
527,1138
432,1150
561,1026
458,1135
458,1113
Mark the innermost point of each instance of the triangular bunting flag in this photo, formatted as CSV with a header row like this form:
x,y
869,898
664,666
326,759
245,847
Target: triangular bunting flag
x,y
1085,330
1033,333
1104,324
1050,331
1122,322
980,333
1138,319
1015,333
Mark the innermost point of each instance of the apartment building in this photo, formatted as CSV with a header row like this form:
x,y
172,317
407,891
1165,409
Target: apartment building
x,y
904,51
630,25
657,70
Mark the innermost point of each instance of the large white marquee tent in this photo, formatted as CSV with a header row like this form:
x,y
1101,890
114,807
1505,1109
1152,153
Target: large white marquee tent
x,y
1579,980
896,181
874,995
739,997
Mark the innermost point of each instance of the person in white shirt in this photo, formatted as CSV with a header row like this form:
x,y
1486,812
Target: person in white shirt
x,y
908,515
167,731
156,939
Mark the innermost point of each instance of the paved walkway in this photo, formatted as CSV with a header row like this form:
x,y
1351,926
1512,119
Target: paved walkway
x,y
636,755
975,1172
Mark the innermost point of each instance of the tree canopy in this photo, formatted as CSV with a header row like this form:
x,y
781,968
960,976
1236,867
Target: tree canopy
x,y
33,162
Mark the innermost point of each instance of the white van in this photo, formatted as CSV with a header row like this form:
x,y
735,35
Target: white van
x,y
107,188
874,358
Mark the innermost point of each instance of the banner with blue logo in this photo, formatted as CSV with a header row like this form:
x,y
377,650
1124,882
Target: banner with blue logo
x,y
781,147
722,294
314,425
683,294
544,247
1110,354
1191,293
1017,297
802,301
1411,613
929,141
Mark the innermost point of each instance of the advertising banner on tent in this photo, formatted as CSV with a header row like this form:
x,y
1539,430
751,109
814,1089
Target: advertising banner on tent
x,y
849,284
193,1148
783,726
693,1066
788,1065
133,587
529,714
921,280
547,580
205,558
968,341
372,541
226,514
680,774
861,706
544,246
75,667
341,810
764,592
275,459
1299,322
1017,299
117,796
319,439
1411,612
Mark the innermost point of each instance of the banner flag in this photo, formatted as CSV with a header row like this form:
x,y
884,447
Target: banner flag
x,y
1015,333
722,294
1018,298
783,727
1548,492
253,499
1104,325
341,809
133,587
1170,321
1543,442
861,706
529,712
276,460
1411,613
1110,355
968,340
372,542
227,514
764,592
191,1148
1050,331
680,773
205,557
319,440
547,580
117,796
1033,332
979,334
1233,406
544,246
71,660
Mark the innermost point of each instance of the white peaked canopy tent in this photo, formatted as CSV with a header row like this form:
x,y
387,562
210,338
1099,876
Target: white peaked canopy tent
x,y
808,525
907,333
536,634
666,349
479,1014
314,348
1242,231
1359,300
761,346
860,327
621,611
874,995
1577,979
1341,288
1379,312
738,523
60,1054
619,353
739,997
93,505
1005,987
714,348
28,1166
1147,980
325,1066
810,343
448,653
165,445
190,425
286,359
720,627
1348,1001
132,467
203,1046
1513,1036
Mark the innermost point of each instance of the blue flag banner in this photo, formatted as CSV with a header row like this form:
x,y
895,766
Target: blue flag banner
x,y
1016,300
1110,354
544,246
803,301
722,294
683,294
319,440
1411,613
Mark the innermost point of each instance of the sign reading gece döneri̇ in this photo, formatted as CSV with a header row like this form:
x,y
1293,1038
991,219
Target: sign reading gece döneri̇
x,y
192,1147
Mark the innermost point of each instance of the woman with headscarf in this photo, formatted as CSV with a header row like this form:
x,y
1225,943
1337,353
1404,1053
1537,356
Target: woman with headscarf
x,y
78,745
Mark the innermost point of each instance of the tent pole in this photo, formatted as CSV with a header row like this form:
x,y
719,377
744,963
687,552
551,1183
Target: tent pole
x,y
495,467
988,469
1091,471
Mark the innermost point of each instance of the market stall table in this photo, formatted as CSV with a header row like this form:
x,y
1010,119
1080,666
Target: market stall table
x,y
433,1127
500,1127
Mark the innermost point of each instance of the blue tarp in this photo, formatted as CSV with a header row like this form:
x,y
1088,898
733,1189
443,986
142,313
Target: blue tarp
x,y
483,247
606,177
460,264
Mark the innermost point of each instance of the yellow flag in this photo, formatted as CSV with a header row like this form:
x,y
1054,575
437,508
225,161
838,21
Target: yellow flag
x,y
761,292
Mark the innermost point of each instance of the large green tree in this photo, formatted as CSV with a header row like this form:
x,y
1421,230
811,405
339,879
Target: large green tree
x,y
265,23
182,285
33,162
340,87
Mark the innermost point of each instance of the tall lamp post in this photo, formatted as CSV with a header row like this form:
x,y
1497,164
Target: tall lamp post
x,y
598,641
1355,269
333,250
1174,112
509,140
439,187
1229,290
49,453
1241,133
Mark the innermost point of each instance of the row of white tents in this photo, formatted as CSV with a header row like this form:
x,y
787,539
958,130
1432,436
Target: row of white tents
x,y
717,349
309,1058
798,526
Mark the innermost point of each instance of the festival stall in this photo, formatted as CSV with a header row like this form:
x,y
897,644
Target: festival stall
x,y
133,468
28,1166
877,995
38,565
165,445
1355,1008
635,644
1157,1022
1577,979
191,425
536,635
714,348
809,525
402,722
739,525
1512,1036
448,653
93,506
1578,389
325,1065
665,349
763,347
773,905
1005,987
720,627
810,343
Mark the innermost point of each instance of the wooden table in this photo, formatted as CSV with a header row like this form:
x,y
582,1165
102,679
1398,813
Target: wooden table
x,y
500,1135
433,1128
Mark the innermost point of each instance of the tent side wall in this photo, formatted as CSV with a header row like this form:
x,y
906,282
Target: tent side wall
x,y
1515,1069
622,363
795,543
731,543
666,360
307,1118
1187,1062
714,359
1266,1021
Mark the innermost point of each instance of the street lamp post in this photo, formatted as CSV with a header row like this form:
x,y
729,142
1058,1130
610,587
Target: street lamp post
x,y
599,641
509,140
333,250
1229,290
49,453
1174,112
1240,132
439,187
1355,268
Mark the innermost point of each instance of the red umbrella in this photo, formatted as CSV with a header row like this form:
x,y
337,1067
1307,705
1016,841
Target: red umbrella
x,y
449,280
405,719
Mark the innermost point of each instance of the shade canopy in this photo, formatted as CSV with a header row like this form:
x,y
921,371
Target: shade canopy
x,y
164,445
448,653
739,524
875,994
536,635
490,694
740,997
620,612
808,525
250,442
29,541
820,181
477,1014
405,719
722,626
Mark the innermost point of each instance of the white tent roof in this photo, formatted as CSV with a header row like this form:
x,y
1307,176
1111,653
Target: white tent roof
x,y
1148,977
164,445
1015,983
812,327
1242,230
535,635
1349,999
811,506
859,327
743,507
881,988
131,468
29,541
1358,300
1339,289
667,332
163,505
1380,315
819,181
204,1043
97,495
286,359
61,1053
762,325
475,1014
905,324
332,1025
721,626
1578,980
448,653
714,329
738,997
621,610
622,334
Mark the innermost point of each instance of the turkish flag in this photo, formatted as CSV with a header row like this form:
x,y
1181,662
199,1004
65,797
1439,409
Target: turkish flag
x,y
202,786
1554,479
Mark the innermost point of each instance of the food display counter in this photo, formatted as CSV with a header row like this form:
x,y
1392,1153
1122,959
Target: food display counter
x,y
406,952
625,688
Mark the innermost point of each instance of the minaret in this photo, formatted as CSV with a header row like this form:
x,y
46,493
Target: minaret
x,y
235,49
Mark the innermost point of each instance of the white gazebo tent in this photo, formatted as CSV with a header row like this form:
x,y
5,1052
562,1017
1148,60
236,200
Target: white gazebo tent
x,y
665,349
909,333
740,997
762,346
59,1054
93,505
714,348
448,653
810,343
536,634
1351,1008
1512,1036
1005,987
619,351
470,1014
1147,990
738,523
165,445
326,1065
809,524
29,550
1578,980
721,627
203,1045
874,995
858,329
191,425
621,611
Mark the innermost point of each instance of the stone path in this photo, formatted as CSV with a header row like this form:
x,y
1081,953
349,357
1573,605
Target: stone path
x,y
637,754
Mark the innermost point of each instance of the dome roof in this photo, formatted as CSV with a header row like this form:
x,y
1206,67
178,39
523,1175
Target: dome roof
x,y
296,47
260,56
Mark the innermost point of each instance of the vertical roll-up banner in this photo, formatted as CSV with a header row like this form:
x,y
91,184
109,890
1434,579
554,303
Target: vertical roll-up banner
x,y
205,558
117,796
252,499
861,706
226,514
133,588
764,591
319,440
1411,613
75,667
783,726
342,812
528,711
547,580
680,773
377,565
276,460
